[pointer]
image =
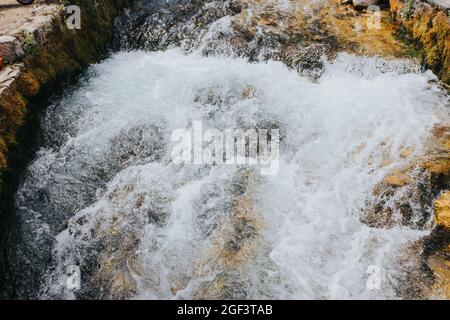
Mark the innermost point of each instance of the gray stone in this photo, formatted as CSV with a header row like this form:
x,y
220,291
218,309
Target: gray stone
x,y
364,4
10,48
39,27
7,76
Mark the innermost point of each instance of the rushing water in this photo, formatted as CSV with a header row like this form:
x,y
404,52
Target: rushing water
x,y
103,193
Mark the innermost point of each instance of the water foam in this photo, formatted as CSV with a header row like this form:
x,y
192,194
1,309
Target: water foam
x,y
105,166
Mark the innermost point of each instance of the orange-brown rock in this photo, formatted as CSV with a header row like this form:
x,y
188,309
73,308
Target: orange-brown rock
x,y
442,210
430,27
398,178
360,33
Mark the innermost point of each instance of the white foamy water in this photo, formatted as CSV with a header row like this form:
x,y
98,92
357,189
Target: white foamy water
x,y
134,213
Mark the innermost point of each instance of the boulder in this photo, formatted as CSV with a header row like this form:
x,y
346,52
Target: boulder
x,y
10,49
364,4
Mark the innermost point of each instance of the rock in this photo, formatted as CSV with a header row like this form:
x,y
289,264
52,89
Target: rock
x,y
406,152
10,49
439,264
397,179
40,27
7,76
427,23
248,93
438,166
364,4
442,210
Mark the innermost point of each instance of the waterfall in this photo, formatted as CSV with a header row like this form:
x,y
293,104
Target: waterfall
x,y
103,193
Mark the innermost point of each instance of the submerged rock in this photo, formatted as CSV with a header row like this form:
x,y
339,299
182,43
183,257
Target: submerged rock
x,y
234,243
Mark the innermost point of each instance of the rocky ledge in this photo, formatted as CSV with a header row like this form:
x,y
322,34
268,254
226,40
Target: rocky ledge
x,y
427,24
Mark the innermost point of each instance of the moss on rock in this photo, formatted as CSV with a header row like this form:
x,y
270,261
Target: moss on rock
x,y
429,27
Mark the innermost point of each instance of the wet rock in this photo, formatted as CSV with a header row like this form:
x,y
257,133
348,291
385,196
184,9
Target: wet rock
x,y
136,143
234,243
396,179
406,152
358,32
406,195
117,263
248,92
439,263
167,25
308,61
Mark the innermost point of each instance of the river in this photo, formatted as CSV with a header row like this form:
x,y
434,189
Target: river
x,y
104,194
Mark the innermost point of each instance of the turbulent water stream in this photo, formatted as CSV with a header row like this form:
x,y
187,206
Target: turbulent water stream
x,y
103,194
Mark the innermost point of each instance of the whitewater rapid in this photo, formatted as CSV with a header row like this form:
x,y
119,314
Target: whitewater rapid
x,y
104,195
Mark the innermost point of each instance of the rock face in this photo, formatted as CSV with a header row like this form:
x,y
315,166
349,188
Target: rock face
x,y
428,26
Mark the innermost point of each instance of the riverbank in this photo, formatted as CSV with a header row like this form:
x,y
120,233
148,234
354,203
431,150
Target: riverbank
x,y
39,53
427,25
